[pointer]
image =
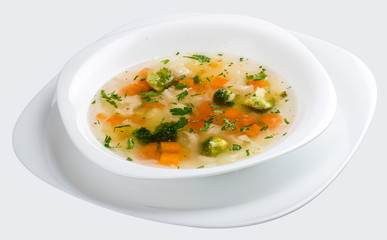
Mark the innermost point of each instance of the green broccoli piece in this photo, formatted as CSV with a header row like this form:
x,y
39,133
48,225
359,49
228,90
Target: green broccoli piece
x,y
224,96
160,80
260,100
143,135
213,146
165,132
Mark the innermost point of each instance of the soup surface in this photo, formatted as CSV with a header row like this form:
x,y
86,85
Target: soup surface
x,y
192,111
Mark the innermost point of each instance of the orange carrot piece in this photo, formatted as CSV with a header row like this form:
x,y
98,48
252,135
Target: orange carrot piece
x,y
136,118
190,82
169,159
138,86
218,82
258,83
232,114
253,131
246,119
135,88
170,147
200,88
204,109
272,119
150,151
115,120
101,116
195,123
143,73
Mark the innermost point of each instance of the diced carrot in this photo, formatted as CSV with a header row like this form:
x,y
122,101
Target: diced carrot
x,y
200,88
101,116
170,147
246,119
204,109
252,131
169,159
150,105
258,83
195,123
232,114
139,85
150,151
184,153
190,82
143,73
135,88
136,118
272,119
115,119
218,82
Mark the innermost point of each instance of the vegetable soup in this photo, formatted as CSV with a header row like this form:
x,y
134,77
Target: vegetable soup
x,y
192,111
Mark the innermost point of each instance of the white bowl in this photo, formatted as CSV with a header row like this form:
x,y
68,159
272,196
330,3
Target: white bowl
x,y
250,37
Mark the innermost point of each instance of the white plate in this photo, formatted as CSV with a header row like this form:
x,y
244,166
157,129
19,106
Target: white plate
x,y
250,196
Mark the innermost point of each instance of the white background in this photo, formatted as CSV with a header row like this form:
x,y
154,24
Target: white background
x,y
38,37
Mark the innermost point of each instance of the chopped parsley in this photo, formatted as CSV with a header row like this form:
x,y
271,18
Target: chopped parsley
x,y
182,76
264,128
180,111
200,58
177,53
275,111
129,159
229,124
220,54
284,133
162,120
207,124
267,137
122,126
110,97
152,100
286,121
200,167
197,94
245,128
258,76
214,106
182,95
218,111
247,152
135,77
130,143
182,85
283,94
241,59
181,123
107,141
236,147
165,61
93,102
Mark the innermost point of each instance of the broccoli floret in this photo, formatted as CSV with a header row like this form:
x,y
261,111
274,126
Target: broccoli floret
x,y
213,146
260,100
143,135
160,80
165,132
224,96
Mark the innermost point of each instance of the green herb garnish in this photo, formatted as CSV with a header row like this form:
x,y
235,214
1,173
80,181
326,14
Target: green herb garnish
x,y
236,147
258,76
129,159
245,128
110,97
182,85
122,126
180,111
130,143
93,102
247,152
229,124
200,58
286,121
264,128
165,61
107,141
182,95
267,137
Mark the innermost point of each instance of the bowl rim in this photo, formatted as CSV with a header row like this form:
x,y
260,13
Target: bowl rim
x,y
147,172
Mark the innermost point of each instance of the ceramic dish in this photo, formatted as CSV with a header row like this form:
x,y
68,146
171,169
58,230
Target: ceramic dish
x,y
250,196
85,73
